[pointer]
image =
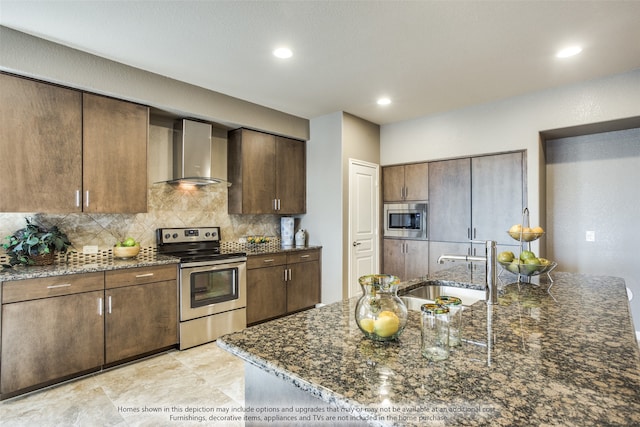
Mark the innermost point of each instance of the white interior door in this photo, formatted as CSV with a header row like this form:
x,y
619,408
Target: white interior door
x,y
363,222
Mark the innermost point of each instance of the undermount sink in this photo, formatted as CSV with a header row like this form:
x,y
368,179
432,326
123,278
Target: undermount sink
x,y
431,290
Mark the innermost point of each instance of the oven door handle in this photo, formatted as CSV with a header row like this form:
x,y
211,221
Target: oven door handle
x,y
202,266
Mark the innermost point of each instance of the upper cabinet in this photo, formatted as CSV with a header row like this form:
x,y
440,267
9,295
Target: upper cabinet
x,y
64,151
40,146
405,182
267,172
476,198
497,195
114,173
449,217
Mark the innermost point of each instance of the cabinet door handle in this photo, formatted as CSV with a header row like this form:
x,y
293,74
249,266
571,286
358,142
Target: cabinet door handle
x,y
100,306
474,232
63,285
144,275
109,304
290,275
77,198
86,198
278,204
469,233
285,275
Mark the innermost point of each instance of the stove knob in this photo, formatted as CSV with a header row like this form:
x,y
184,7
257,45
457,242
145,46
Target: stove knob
x,y
207,234
175,235
166,236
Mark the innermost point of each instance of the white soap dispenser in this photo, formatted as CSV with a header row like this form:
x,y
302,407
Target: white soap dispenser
x,y
301,238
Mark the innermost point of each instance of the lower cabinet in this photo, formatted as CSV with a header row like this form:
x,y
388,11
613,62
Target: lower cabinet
x,y
52,328
282,283
55,328
407,259
141,313
303,280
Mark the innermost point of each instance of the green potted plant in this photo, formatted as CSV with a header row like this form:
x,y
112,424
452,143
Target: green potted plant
x,y
35,244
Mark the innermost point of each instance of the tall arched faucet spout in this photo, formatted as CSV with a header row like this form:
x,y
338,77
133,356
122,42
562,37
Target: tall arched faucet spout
x,y
489,259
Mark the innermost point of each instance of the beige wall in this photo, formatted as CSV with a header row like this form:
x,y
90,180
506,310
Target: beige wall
x,y
513,124
335,138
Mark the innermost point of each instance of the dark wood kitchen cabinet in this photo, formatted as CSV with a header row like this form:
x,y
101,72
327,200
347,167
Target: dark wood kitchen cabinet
x,y
114,173
63,151
407,259
282,283
266,287
449,216
141,311
267,172
40,146
476,198
303,279
52,329
408,182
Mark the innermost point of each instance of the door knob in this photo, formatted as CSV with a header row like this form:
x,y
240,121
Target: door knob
x,y
357,243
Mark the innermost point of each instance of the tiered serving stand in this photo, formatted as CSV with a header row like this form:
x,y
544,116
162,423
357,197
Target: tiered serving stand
x,y
526,271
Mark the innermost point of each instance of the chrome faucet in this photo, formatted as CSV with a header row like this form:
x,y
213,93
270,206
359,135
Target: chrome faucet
x,y
489,259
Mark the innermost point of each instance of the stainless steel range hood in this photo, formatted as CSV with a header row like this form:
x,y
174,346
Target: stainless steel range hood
x,y
192,154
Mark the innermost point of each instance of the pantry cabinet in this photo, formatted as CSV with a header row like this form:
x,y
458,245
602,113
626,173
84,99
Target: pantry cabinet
x,y
282,283
40,146
407,259
476,198
52,328
405,182
141,307
64,151
267,172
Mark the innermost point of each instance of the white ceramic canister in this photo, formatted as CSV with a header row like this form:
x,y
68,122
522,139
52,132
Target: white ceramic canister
x,y
301,238
286,231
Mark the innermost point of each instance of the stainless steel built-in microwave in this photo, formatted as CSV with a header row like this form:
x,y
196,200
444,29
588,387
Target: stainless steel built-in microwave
x,y
405,220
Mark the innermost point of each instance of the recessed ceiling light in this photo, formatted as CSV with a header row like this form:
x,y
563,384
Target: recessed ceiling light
x,y
283,52
384,101
569,51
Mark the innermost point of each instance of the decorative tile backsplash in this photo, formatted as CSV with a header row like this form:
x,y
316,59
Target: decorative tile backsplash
x,y
168,206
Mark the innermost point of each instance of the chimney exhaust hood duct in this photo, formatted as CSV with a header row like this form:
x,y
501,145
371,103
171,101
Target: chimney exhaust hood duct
x,y
192,154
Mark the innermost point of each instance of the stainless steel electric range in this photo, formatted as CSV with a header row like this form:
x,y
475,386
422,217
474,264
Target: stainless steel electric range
x,y
212,283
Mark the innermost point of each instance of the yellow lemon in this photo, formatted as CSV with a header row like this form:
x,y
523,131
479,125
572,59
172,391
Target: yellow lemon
x,y
386,324
367,325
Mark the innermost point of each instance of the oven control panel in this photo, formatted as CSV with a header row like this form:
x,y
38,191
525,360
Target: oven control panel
x,y
185,235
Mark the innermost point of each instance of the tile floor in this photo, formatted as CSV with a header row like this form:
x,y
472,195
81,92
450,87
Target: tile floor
x,y
205,377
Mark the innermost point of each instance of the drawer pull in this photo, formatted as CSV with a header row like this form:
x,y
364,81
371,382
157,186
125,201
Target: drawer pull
x,y
144,275
305,256
268,260
64,285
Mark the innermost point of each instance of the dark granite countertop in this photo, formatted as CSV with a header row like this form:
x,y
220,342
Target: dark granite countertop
x,y
86,264
565,355
81,263
269,249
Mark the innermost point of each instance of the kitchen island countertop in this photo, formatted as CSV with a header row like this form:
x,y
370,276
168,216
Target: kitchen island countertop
x,y
565,355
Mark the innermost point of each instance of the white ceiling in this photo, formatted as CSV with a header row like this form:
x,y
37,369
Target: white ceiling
x,y
427,56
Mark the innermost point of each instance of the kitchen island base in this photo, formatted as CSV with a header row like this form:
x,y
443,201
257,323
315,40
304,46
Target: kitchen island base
x,y
270,400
